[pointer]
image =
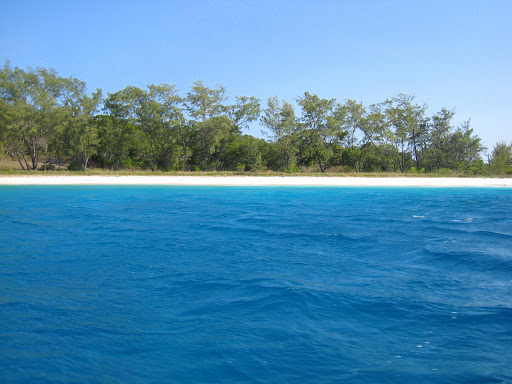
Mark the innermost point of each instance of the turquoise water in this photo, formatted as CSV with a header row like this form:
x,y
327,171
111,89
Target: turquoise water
x,y
264,285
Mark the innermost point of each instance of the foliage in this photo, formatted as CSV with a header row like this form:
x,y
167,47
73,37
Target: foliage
x,y
500,161
47,121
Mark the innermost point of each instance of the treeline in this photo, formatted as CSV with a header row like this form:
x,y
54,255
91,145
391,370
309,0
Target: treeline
x,y
45,116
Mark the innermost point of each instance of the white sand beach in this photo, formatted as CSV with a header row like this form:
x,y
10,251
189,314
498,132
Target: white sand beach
x,y
259,181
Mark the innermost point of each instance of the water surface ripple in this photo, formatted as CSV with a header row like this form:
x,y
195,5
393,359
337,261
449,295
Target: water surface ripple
x,y
104,284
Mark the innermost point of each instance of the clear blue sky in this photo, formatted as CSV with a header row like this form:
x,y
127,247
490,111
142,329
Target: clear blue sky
x,y
454,54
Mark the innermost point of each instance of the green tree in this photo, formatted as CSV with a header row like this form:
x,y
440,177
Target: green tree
x,y
82,127
500,160
141,109
353,115
241,114
174,129
464,148
374,127
32,97
244,153
405,118
320,127
440,135
205,107
118,131
279,118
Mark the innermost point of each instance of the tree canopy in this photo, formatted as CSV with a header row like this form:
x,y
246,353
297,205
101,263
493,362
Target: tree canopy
x,y
47,122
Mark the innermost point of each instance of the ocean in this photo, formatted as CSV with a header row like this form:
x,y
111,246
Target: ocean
x,y
160,284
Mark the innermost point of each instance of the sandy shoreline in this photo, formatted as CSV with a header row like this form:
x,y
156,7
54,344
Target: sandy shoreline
x,y
258,181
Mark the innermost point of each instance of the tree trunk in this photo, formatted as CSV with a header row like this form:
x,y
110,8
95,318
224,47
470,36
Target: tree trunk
x,y
185,156
202,153
218,165
152,161
166,161
85,160
360,160
402,161
19,160
58,159
34,155
322,168
32,149
415,149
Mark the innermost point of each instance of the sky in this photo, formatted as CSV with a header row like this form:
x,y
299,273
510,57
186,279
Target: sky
x,y
449,54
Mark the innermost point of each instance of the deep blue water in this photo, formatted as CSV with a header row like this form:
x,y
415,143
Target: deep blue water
x,y
264,285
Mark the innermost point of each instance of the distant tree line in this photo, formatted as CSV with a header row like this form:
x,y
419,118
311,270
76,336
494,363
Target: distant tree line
x,y
47,120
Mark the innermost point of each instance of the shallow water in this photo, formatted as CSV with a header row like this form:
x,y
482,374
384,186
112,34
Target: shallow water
x,y
266,285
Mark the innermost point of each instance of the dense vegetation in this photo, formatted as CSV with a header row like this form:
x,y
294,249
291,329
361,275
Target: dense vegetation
x,y
47,121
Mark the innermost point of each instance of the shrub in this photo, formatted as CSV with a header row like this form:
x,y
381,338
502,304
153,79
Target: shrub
x,y
125,162
294,169
446,171
47,167
74,166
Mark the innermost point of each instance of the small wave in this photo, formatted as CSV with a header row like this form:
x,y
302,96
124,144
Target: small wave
x,y
469,260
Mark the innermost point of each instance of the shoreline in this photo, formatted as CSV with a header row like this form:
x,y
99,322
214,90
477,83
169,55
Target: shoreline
x,y
316,181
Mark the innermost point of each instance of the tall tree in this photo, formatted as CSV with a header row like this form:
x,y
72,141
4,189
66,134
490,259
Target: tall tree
x,y
279,118
353,115
33,97
148,114
205,107
464,148
405,117
440,133
500,160
118,131
242,113
174,128
82,127
374,127
319,127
